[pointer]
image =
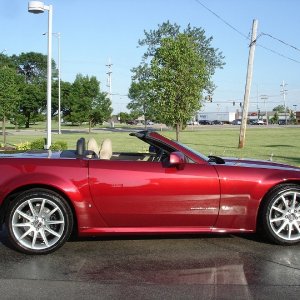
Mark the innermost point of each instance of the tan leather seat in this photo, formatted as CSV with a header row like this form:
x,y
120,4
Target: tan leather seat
x,y
106,149
93,146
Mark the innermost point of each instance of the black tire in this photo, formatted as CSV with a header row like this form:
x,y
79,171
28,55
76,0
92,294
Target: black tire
x,y
38,221
280,215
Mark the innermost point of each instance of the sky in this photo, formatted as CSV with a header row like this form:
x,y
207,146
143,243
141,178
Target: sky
x,y
96,32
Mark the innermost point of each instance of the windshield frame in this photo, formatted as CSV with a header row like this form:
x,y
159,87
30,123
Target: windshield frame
x,y
202,156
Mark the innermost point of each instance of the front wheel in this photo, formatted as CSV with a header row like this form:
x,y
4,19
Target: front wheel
x,y
281,215
39,221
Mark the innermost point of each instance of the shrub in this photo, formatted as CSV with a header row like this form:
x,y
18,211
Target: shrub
x,y
40,144
37,144
59,145
23,146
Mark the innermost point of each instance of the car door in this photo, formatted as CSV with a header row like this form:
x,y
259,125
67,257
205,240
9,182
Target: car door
x,y
141,193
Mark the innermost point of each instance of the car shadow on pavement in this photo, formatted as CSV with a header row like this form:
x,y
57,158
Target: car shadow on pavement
x,y
151,237
4,238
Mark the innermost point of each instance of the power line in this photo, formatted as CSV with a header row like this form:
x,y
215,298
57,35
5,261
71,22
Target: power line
x,y
269,35
277,53
220,18
247,37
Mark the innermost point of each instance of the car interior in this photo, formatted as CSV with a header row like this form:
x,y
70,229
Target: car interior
x,y
92,150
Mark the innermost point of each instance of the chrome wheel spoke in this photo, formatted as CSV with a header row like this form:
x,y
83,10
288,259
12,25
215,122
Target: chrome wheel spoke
x,y
294,202
22,224
24,215
44,238
25,233
297,227
52,211
33,212
278,209
34,239
283,225
42,207
55,222
52,232
277,219
290,230
284,201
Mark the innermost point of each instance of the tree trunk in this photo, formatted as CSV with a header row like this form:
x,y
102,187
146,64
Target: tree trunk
x,y
90,126
3,131
177,131
27,121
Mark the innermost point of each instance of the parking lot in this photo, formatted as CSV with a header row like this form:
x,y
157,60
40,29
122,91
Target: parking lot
x,y
173,267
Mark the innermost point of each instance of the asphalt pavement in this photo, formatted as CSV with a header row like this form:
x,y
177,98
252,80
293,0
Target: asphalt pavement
x,y
154,267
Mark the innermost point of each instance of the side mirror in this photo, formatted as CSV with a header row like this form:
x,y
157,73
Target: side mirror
x,y
177,159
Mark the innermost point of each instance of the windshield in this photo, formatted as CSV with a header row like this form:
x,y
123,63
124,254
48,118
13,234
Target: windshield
x,y
192,150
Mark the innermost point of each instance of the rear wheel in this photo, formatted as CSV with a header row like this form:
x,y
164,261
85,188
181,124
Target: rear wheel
x,y
281,215
39,221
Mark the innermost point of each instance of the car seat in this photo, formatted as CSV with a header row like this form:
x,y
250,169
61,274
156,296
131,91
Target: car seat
x,y
106,149
93,148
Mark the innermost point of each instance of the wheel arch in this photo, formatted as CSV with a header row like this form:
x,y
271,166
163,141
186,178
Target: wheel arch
x,y
13,194
278,186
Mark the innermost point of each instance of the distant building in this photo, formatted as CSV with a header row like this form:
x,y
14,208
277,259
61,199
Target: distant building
x,y
297,117
226,117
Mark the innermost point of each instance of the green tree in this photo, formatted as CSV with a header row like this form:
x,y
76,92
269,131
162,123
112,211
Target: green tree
x,y
65,91
84,89
124,117
178,77
140,93
212,57
275,118
33,66
292,118
280,108
101,109
86,101
6,61
9,95
176,69
33,102
66,100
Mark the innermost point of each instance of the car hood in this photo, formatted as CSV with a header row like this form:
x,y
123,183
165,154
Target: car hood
x,y
262,164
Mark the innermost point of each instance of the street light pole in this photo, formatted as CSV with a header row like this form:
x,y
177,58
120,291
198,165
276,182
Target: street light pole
x,y
37,7
59,75
283,92
59,89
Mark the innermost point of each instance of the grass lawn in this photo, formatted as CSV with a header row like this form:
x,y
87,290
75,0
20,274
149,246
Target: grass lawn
x,y
280,143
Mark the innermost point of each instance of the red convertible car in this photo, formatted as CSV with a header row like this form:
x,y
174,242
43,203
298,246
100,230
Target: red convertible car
x,y
92,190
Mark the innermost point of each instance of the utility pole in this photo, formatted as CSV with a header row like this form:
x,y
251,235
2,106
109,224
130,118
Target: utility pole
x,y
248,85
265,97
283,92
109,65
